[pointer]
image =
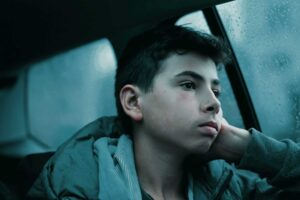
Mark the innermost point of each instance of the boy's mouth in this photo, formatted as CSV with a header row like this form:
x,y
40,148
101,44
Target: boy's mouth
x,y
210,124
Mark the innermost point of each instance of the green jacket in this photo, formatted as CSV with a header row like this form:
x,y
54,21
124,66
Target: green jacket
x,y
98,163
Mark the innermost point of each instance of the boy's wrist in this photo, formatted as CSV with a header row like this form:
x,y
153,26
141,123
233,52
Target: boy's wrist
x,y
240,141
231,143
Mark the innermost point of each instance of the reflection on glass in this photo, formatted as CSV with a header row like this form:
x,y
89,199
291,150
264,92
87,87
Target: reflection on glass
x,y
265,37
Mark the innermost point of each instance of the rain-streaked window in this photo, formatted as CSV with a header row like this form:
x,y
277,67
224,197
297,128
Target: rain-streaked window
x,y
265,38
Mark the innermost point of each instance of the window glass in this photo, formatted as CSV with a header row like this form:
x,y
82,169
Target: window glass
x,y
194,20
69,90
61,94
265,38
197,21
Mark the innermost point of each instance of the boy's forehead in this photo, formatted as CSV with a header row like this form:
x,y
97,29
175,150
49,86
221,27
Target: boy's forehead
x,y
176,63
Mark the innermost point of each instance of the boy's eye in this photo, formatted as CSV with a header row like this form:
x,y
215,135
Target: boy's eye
x,y
188,85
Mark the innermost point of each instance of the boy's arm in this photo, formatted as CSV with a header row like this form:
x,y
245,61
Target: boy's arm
x,y
278,161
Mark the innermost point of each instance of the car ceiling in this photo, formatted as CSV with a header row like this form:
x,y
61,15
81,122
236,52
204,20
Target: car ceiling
x,y
32,29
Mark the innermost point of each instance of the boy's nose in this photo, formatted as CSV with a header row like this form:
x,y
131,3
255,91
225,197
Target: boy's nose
x,y
213,108
212,104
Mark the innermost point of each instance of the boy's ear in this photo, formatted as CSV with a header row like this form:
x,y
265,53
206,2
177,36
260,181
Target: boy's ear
x,y
130,100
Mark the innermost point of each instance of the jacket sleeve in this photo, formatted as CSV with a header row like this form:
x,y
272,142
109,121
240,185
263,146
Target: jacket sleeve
x,y
277,164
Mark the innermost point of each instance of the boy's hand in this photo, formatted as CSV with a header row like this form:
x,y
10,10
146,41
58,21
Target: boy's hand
x,y
230,144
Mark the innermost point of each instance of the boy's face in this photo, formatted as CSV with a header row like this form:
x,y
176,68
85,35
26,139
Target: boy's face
x,y
182,110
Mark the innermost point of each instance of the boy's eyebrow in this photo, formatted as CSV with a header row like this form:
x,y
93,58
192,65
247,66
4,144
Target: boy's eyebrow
x,y
215,82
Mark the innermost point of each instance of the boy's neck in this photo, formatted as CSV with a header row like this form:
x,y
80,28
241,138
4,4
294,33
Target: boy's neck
x,y
159,169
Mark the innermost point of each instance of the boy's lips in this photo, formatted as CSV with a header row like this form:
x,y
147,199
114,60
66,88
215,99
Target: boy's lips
x,y
210,124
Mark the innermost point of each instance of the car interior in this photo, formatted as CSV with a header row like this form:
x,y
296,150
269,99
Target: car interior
x,y
58,60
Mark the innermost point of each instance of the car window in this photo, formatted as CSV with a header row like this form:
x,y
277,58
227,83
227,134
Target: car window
x,y
265,38
61,94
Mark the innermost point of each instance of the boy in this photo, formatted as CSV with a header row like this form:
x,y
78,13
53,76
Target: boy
x,y
170,139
